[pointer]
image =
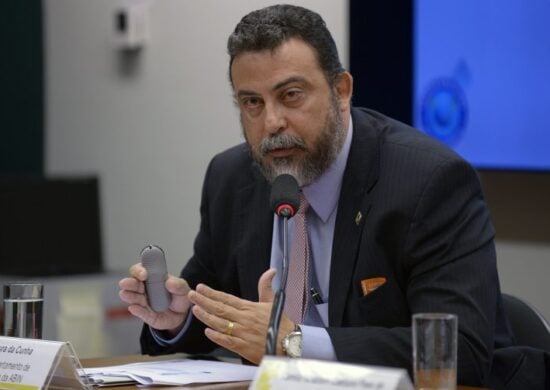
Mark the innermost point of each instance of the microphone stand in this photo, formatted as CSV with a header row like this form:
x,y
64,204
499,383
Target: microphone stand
x,y
279,299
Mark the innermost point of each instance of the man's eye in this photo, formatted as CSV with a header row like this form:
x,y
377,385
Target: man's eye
x,y
292,95
251,102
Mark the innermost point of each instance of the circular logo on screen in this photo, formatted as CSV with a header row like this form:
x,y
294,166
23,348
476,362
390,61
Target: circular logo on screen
x,y
444,110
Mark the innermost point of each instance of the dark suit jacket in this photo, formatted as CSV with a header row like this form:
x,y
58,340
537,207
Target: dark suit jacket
x,y
519,368
426,229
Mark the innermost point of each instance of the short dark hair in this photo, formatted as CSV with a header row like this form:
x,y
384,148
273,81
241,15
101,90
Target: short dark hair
x,y
269,27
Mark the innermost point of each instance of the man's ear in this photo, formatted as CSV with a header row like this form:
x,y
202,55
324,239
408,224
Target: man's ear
x,y
344,89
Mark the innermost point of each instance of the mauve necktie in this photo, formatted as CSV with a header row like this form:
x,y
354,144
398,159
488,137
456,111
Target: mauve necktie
x,y
298,268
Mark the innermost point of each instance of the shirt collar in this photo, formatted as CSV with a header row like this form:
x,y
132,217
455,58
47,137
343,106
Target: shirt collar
x,y
324,192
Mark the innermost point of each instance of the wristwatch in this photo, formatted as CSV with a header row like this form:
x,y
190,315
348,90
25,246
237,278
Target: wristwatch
x,y
292,343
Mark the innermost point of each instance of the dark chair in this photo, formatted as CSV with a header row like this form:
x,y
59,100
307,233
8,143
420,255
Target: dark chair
x,y
529,326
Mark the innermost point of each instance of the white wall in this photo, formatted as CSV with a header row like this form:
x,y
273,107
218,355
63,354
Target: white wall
x,y
149,125
524,270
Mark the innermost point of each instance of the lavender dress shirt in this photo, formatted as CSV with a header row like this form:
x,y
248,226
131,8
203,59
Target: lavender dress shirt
x,y
322,196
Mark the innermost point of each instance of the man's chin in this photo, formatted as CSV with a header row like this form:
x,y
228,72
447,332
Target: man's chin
x,y
281,162
280,167
285,171
278,164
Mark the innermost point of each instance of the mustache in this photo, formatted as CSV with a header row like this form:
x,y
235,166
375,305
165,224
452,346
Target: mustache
x,y
281,141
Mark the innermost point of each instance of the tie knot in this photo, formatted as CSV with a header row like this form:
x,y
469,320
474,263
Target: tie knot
x,y
304,204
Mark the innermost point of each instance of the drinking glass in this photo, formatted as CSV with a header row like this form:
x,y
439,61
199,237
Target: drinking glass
x,y
434,350
23,304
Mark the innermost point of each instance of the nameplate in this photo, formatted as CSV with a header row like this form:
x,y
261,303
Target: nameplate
x,y
277,373
29,364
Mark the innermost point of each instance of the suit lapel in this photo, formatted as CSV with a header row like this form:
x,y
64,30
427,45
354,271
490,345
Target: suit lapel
x,y
360,176
255,221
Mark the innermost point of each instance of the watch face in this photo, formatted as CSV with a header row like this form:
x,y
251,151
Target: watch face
x,y
294,346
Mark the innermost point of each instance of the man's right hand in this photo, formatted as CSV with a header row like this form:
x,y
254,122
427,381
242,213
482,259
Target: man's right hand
x,y
132,291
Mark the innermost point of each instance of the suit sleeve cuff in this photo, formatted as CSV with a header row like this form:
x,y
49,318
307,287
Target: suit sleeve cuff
x,y
316,343
164,341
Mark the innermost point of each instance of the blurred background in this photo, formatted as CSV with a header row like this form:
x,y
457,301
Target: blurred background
x,y
111,110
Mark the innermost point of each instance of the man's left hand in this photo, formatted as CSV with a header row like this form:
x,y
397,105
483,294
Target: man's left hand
x,y
237,324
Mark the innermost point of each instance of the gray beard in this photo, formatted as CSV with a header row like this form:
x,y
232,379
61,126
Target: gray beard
x,y
315,161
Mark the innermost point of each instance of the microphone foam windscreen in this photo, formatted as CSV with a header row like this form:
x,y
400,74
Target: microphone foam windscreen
x,y
284,190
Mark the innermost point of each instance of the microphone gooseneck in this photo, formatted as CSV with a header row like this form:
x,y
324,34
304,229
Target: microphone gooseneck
x,y
284,201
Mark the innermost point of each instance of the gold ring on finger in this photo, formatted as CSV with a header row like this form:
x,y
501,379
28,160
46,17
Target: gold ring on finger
x,y
230,327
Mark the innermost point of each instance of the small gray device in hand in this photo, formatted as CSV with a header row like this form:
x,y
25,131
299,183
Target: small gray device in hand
x,y
153,260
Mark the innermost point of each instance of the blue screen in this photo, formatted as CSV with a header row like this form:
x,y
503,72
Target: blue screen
x,y
482,79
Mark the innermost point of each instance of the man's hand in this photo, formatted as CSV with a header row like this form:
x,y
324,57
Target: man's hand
x,y
132,291
237,324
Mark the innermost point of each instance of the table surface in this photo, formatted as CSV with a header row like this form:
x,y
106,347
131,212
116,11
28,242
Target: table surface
x,y
115,360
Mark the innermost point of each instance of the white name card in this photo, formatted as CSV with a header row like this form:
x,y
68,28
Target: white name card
x,y
35,364
277,373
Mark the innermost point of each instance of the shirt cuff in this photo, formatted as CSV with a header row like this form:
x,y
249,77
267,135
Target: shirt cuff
x,y
316,343
164,341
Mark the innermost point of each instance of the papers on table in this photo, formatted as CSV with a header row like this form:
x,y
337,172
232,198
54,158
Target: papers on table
x,y
169,372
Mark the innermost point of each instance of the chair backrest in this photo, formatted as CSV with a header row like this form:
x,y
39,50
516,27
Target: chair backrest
x,y
529,326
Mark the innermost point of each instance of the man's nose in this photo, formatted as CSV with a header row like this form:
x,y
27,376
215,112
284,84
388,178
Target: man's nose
x,y
275,120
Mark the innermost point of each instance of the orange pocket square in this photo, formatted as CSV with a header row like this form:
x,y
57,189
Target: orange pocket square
x,y
371,284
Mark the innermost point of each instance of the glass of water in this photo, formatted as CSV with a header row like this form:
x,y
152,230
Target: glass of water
x,y
434,350
23,304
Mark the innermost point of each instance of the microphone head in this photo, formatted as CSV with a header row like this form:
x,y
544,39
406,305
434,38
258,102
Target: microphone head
x,y
285,195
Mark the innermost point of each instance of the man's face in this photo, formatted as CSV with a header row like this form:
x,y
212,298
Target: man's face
x,y
293,121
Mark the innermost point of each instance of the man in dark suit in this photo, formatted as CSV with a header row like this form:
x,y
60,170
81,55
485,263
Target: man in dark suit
x,y
397,222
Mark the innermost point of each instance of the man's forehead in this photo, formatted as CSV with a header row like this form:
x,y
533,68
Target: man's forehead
x,y
293,58
289,81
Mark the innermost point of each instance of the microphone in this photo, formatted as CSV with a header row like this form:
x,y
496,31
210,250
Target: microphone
x,y
284,201
285,196
153,260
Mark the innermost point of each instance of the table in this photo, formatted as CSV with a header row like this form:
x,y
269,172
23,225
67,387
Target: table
x,y
111,361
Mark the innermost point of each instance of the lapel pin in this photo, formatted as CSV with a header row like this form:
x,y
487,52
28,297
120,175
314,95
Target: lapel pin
x,y
358,218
